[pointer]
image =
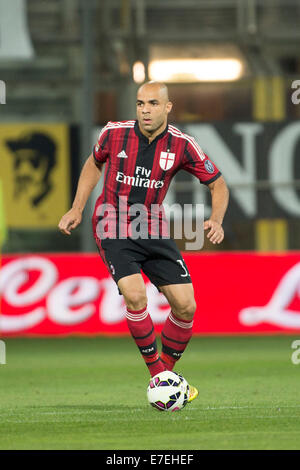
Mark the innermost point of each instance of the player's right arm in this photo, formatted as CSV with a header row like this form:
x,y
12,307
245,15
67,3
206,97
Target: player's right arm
x,y
89,177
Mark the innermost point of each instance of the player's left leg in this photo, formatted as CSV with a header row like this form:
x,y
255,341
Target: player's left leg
x,y
177,330
167,270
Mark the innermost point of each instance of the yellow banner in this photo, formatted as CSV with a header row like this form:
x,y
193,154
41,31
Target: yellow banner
x,y
3,233
34,169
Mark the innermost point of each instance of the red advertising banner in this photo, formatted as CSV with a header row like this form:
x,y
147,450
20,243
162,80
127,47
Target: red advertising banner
x,y
236,293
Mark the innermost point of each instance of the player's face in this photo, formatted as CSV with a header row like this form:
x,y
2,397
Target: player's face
x,y
152,109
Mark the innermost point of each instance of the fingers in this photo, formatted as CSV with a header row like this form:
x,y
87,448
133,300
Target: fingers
x,y
217,238
73,225
70,221
64,228
216,233
67,224
207,224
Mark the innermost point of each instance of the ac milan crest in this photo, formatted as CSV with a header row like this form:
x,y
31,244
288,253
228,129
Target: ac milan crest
x,y
166,160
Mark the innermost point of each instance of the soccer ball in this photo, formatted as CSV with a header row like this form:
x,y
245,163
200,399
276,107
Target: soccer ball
x,y
168,391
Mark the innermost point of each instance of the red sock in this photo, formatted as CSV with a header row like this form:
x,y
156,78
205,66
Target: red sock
x,y
175,336
142,330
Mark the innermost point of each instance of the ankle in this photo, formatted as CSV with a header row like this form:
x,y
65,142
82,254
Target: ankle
x,y
168,361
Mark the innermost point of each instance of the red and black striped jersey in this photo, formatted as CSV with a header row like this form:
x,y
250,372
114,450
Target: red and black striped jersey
x,y
140,172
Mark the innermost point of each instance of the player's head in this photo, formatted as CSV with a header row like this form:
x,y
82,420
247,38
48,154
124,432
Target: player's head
x,y
34,159
152,106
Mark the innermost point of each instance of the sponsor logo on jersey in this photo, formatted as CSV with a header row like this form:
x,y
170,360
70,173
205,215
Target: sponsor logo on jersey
x,y
139,181
209,166
166,160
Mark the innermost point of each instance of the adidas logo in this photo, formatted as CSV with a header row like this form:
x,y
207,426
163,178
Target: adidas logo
x,y
122,154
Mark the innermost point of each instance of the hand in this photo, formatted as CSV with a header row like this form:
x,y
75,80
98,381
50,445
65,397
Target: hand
x,y
216,233
69,221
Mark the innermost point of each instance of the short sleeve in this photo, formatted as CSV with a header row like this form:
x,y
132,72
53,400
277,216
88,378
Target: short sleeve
x,y
101,148
198,163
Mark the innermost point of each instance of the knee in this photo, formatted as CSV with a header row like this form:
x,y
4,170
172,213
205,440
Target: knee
x,y
135,299
185,310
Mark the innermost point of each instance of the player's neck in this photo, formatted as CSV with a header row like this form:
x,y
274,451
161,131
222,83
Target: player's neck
x,y
152,135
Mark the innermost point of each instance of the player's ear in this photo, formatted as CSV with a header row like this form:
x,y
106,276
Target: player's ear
x,y
169,106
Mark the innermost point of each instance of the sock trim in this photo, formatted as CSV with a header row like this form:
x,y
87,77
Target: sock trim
x,y
137,317
179,323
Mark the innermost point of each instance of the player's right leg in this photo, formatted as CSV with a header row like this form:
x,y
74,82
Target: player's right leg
x,y
139,321
123,259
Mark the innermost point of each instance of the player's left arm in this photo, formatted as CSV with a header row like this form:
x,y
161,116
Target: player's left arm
x,y
196,162
219,200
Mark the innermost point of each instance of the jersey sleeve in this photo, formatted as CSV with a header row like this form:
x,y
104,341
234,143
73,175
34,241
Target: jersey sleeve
x,y
101,148
198,163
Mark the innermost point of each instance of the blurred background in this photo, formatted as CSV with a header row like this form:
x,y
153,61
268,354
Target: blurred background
x,y
69,66
233,72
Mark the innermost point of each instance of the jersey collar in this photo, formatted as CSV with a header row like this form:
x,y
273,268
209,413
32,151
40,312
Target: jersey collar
x,y
143,137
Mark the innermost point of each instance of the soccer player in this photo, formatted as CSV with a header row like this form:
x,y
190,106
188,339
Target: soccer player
x,y
141,157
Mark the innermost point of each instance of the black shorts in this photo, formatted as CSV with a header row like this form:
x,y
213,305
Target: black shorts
x,y
160,260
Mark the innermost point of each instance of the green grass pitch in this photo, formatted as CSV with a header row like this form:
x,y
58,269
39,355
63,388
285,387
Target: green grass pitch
x,y
90,393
